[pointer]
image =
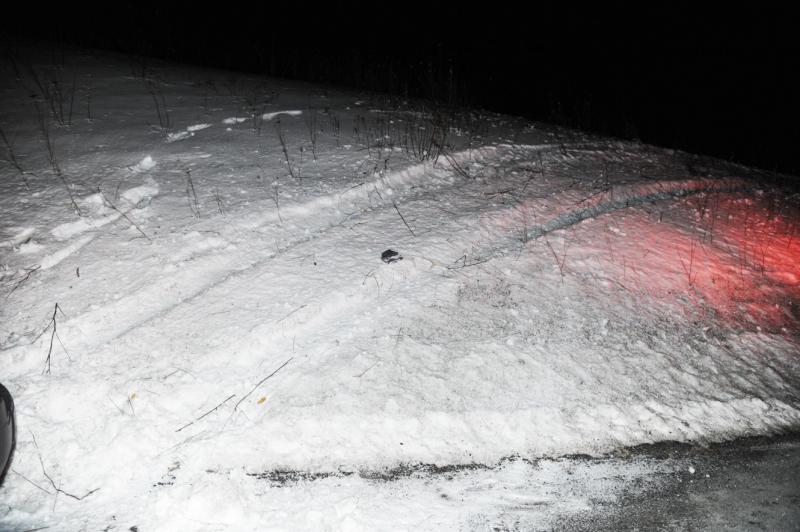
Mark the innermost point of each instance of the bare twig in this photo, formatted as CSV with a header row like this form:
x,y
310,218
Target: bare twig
x,y
465,264
28,273
113,206
371,274
275,198
51,152
540,171
130,404
45,130
559,260
50,479
120,410
207,413
292,312
310,119
218,199
454,164
191,195
282,139
261,382
52,93
403,218
366,370
71,101
89,99
54,335
688,269
256,100
154,88
335,127
30,481
12,158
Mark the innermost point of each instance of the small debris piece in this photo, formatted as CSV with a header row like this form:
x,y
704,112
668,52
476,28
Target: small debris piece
x,y
390,256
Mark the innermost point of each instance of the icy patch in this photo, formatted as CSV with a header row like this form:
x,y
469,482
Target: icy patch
x,y
270,116
144,165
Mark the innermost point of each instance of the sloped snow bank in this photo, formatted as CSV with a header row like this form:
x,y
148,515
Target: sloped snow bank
x,y
223,322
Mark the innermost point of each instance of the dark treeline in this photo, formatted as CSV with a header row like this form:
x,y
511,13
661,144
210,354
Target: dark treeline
x,y
709,81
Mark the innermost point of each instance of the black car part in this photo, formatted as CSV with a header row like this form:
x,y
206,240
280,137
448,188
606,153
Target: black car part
x,y
8,432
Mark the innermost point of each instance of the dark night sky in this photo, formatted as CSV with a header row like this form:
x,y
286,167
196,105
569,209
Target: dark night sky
x,y
718,80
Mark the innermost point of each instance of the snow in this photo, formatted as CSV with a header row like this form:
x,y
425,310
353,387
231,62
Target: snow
x,y
145,164
220,322
20,236
197,127
270,116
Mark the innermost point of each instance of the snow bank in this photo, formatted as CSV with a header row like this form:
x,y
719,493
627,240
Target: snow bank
x,y
227,321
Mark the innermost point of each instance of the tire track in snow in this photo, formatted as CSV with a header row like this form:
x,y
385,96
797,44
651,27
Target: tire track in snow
x,y
203,277
156,301
634,196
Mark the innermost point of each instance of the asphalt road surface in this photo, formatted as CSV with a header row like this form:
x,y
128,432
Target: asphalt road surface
x,y
746,484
